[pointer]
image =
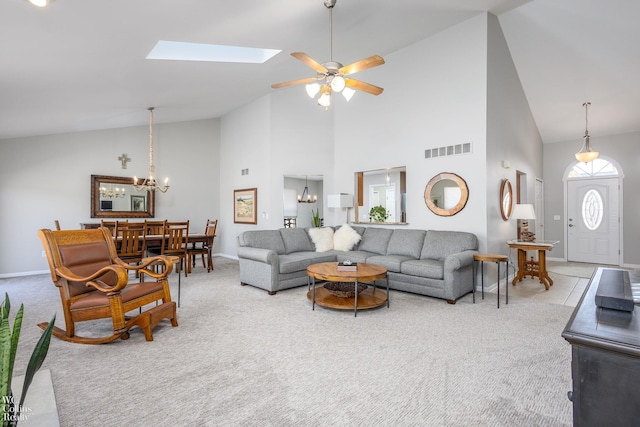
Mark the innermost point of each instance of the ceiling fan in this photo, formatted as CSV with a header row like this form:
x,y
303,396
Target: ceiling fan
x,y
333,76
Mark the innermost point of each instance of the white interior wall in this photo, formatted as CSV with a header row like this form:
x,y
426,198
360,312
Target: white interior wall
x,y
45,178
512,136
245,144
435,95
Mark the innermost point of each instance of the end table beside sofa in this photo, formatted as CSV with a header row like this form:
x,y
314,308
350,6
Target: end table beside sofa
x,y
427,262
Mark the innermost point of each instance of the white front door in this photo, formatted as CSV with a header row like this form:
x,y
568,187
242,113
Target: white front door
x,y
593,211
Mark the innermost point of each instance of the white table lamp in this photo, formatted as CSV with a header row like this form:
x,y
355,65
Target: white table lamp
x,y
342,201
523,213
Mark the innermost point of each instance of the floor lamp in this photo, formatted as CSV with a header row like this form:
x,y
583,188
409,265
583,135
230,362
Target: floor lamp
x,y
342,201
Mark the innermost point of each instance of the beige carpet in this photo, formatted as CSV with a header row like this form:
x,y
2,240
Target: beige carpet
x,y
243,358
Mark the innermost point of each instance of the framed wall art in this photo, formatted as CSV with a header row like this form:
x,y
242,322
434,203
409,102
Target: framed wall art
x,y
138,203
245,206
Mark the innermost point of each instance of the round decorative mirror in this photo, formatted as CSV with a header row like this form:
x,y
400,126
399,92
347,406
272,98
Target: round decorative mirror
x,y
446,194
506,199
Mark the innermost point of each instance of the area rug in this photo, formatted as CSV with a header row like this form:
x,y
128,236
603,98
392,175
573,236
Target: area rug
x,y
241,357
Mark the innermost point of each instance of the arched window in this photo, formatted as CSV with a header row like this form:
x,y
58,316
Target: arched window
x,y
599,167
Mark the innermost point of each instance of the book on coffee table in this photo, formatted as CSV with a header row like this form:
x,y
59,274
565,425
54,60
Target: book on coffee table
x,y
347,267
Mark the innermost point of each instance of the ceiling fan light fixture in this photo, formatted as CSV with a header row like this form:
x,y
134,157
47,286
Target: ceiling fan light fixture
x,y
312,89
325,99
348,93
332,75
338,84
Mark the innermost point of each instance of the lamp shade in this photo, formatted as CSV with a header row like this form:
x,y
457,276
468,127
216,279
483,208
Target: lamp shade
x,y
340,201
524,211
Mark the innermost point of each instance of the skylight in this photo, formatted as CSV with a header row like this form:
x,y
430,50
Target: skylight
x,y
179,51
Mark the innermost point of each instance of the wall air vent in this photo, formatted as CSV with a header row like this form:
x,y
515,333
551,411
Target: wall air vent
x,y
449,150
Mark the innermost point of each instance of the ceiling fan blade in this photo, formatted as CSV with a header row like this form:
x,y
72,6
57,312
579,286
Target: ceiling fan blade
x,y
365,87
310,62
294,82
363,64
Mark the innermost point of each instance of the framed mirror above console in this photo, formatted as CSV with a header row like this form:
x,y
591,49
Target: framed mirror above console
x,y
386,188
446,194
115,197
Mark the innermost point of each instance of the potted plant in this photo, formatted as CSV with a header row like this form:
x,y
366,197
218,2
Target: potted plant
x,y
378,214
316,218
10,413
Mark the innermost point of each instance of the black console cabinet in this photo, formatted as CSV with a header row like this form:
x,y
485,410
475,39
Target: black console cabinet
x,y
605,365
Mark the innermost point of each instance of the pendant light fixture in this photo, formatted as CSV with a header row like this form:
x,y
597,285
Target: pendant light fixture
x,y
305,197
586,153
150,183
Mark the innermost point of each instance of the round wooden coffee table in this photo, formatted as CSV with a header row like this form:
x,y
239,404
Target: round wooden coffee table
x,y
365,273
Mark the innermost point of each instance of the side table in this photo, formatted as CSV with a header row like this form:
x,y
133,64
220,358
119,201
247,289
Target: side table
x,y
532,268
497,258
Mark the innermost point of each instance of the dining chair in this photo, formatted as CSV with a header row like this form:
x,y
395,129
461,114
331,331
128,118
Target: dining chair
x,y
203,249
154,228
110,225
94,284
175,242
130,241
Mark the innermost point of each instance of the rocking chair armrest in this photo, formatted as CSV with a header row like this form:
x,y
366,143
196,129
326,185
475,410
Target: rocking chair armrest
x,y
122,278
151,261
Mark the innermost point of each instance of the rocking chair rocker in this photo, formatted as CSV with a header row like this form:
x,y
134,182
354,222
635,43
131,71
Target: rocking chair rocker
x,y
94,284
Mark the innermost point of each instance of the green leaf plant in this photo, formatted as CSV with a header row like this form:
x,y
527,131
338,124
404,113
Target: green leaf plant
x,y
316,217
10,413
378,214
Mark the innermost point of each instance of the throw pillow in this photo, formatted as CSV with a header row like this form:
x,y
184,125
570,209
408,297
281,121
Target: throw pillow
x,y
322,238
345,238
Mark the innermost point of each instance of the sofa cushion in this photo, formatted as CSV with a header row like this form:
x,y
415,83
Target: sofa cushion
x,y
353,256
295,240
293,263
390,262
375,240
440,244
345,238
406,242
429,268
322,238
263,239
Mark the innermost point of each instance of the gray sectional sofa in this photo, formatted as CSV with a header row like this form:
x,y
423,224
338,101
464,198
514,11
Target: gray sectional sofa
x,y
433,263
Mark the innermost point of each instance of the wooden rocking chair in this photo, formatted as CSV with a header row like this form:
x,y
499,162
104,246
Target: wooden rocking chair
x,y
94,284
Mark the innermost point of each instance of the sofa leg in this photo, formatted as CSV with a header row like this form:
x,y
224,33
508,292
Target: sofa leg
x,y
272,292
243,284
451,301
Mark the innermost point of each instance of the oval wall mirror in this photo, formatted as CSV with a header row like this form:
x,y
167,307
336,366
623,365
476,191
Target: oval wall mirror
x,y
446,194
506,199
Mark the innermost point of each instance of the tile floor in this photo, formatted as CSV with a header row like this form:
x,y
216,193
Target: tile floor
x,y
566,290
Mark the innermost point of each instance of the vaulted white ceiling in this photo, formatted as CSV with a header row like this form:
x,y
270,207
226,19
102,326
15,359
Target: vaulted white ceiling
x,y
80,65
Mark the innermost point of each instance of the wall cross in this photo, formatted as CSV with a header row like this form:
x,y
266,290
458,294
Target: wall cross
x,y
124,159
